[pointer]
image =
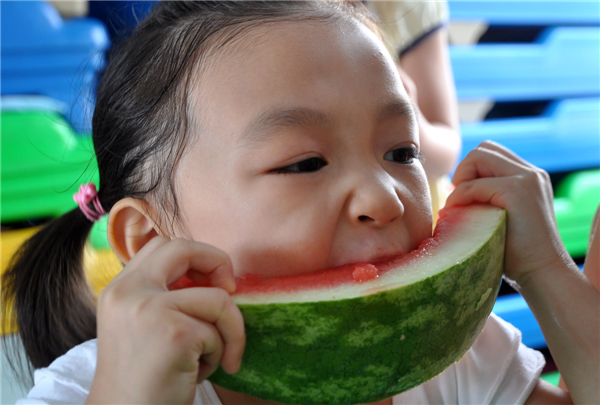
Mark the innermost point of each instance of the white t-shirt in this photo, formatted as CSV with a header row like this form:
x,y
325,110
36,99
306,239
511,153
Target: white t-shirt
x,y
498,369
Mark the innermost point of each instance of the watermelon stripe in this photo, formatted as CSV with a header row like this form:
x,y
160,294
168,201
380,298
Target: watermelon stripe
x,y
370,347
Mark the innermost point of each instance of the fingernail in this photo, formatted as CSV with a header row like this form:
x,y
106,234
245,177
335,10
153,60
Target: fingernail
x,y
238,366
234,369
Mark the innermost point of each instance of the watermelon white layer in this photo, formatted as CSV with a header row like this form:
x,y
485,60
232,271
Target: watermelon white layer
x,y
324,338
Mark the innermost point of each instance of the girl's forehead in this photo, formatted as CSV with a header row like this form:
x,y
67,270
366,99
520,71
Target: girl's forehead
x,y
279,51
300,63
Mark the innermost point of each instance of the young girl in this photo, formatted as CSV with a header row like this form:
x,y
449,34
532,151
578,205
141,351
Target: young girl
x,y
270,138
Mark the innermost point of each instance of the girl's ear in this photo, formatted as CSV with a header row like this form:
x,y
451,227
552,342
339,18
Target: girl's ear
x,y
130,227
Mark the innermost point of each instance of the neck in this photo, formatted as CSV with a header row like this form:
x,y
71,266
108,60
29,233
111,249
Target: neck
x,y
228,397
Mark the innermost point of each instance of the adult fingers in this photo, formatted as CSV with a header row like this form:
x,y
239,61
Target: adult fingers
x,y
223,313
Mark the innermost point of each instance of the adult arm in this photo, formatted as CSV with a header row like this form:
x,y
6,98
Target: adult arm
x,y
426,73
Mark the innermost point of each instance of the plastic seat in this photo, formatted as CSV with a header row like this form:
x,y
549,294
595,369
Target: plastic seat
x,y
101,266
565,138
576,200
563,62
43,164
46,55
523,12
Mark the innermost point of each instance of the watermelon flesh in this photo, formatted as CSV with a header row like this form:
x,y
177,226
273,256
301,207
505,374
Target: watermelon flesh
x,y
364,332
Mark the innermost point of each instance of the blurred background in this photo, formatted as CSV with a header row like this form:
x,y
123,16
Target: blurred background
x,y
527,76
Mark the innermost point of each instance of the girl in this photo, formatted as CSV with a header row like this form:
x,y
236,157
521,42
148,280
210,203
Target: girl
x,y
269,138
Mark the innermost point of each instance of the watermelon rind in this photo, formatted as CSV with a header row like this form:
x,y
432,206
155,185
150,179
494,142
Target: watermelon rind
x,y
370,347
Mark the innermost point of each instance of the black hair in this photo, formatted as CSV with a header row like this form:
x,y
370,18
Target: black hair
x,y
140,129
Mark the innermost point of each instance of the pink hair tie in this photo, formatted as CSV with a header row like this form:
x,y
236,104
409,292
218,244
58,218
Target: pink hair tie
x,y
87,194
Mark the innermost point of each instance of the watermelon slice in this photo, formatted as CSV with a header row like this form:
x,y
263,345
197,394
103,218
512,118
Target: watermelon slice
x,y
364,332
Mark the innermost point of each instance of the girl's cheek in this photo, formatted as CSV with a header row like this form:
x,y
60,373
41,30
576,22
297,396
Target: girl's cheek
x,y
278,260
279,242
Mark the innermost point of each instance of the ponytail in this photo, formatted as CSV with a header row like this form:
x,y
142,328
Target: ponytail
x,y
46,287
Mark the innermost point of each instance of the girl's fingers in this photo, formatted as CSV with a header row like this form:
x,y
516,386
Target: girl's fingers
x,y
191,345
168,262
534,171
521,189
484,161
147,250
491,190
505,152
140,257
223,313
210,345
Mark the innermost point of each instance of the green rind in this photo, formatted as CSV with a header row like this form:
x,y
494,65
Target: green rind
x,y
369,348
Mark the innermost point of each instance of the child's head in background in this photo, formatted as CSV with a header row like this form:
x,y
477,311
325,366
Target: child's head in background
x,y
279,133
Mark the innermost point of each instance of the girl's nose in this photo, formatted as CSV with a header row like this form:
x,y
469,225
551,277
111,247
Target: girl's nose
x,y
375,201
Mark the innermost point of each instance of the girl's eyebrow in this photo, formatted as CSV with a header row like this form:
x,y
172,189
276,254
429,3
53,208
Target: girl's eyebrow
x,y
268,122
264,126
397,108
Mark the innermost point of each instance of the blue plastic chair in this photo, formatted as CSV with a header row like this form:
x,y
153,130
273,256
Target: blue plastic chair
x,y
46,55
565,138
563,62
559,12
120,17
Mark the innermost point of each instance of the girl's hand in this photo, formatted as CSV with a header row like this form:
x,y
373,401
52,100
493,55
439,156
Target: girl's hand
x,y
492,174
156,345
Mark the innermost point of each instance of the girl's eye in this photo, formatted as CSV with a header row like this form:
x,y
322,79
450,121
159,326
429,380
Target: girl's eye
x,y
402,155
306,166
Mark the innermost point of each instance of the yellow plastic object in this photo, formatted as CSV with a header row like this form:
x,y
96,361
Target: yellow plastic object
x,y
101,266
10,241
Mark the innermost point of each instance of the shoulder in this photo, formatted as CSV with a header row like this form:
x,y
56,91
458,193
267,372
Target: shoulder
x,y
405,23
497,369
67,380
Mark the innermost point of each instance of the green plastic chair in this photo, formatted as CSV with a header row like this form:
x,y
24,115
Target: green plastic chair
x,y
576,200
43,165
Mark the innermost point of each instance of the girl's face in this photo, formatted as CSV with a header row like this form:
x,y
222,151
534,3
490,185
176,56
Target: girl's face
x,y
303,153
